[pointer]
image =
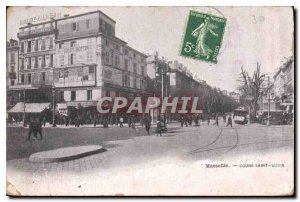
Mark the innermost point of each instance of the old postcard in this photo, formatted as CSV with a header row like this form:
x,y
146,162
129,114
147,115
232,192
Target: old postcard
x,y
150,101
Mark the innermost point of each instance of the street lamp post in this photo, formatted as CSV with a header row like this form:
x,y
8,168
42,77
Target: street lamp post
x,y
164,71
24,114
53,106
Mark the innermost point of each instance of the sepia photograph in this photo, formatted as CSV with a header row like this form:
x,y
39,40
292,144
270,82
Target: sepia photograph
x,y
150,101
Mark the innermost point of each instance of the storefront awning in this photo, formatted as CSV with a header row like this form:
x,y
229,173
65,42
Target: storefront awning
x,y
29,107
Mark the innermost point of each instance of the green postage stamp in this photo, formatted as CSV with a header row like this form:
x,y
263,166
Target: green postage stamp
x,y
203,36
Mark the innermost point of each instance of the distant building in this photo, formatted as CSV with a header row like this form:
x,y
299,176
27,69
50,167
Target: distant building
x,y
235,96
12,63
284,85
12,70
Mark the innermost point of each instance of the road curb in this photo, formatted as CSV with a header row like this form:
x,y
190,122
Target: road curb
x,y
65,154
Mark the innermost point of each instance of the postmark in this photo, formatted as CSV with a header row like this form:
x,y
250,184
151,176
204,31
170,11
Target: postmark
x,y
203,36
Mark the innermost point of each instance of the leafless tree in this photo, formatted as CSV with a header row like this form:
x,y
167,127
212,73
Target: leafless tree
x,y
251,89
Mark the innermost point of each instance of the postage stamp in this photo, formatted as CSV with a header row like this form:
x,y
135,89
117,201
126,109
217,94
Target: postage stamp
x,y
203,36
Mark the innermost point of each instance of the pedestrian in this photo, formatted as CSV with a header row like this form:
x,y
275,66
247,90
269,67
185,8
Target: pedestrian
x,y
38,129
186,121
95,120
121,122
129,121
216,120
31,128
224,118
133,122
158,128
44,121
147,123
181,120
229,121
208,120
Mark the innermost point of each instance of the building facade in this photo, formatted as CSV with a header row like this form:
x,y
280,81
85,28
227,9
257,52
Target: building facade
x,y
283,85
12,63
93,63
36,61
12,71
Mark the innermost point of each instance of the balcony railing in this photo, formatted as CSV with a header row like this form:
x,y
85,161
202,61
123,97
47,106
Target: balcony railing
x,y
36,32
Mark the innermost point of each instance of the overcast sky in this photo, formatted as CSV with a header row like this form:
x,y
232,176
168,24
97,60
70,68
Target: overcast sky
x,y
253,34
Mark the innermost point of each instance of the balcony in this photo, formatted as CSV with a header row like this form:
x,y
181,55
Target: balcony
x,y
36,32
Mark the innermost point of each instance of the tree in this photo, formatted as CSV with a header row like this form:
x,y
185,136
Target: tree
x,y
251,89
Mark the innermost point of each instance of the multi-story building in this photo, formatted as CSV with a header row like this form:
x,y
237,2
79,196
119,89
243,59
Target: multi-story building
x,y
92,62
36,60
12,70
235,96
284,84
12,65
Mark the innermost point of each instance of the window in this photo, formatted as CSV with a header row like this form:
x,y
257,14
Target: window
x,y
36,46
88,24
43,61
85,77
107,93
29,78
12,82
142,70
51,43
35,62
22,47
106,42
22,78
61,96
60,46
124,80
29,46
62,60
43,44
117,47
128,81
126,52
126,64
73,43
72,59
116,61
43,76
134,68
142,84
29,63
91,70
22,63
73,95
74,26
134,82
89,95
51,60
12,58
134,56
107,57
12,69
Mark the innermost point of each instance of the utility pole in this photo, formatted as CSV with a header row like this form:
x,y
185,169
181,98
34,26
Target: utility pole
x,y
269,97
